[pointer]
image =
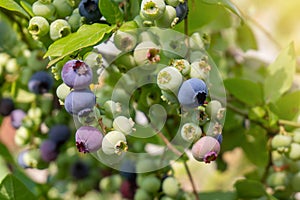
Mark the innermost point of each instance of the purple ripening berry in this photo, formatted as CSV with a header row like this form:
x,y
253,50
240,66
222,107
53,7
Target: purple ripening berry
x,y
88,139
206,149
16,117
49,150
77,74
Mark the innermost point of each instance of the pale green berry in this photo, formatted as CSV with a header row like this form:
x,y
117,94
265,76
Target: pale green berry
x,y
141,194
22,135
152,9
112,108
294,152
75,20
38,27
34,112
200,69
169,79
124,125
114,142
182,65
296,136
59,28
170,186
214,110
146,53
196,42
62,91
281,142
63,8
110,183
125,41
93,59
4,57
277,179
44,9
173,3
190,132
168,19
151,184
12,66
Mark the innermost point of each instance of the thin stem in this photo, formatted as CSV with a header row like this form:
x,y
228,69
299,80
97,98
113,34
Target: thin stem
x,y
191,180
288,123
186,24
168,143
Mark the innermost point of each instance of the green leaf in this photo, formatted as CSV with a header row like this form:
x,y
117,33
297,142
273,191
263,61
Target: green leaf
x,y
245,37
288,106
87,35
280,74
13,189
244,90
217,195
249,189
111,11
13,6
225,3
5,154
255,145
127,26
27,7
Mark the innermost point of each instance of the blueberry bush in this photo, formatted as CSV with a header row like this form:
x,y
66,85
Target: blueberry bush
x,y
106,98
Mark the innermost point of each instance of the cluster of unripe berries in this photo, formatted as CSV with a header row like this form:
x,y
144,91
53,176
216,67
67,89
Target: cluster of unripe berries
x,y
162,13
58,18
285,156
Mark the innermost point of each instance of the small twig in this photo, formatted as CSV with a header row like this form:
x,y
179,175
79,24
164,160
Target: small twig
x,y
191,180
288,123
168,143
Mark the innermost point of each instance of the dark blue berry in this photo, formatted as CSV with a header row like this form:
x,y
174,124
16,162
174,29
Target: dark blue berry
x,y
192,93
40,82
6,106
182,11
59,134
79,170
90,10
16,117
49,150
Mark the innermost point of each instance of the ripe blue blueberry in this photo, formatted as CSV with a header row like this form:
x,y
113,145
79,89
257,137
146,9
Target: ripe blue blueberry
x,y
90,10
16,117
59,134
77,74
88,139
78,100
6,106
192,93
49,150
182,11
40,82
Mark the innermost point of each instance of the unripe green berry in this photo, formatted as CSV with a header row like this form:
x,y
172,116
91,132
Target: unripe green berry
x,y
168,19
63,8
12,66
59,28
141,194
38,27
190,132
110,183
75,20
62,91
152,9
34,113
170,186
296,136
182,65
214,110
22,135
124,125
281,142
277,179
294,152
112,108
114,142
150,184
200,69
169,79
125,41
46,10
173,3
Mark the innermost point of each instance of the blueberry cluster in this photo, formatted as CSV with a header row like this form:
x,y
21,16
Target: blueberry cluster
x,y
162,13
285,158
55,19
